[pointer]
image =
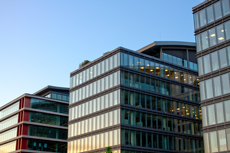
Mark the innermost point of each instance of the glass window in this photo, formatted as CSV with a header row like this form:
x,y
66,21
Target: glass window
x,y
204,116
215,62
223,58
200,64
198,44
222,140
225,83
142,65
136,63
225,7
227,112
152,68
147,66
217,10
220,33
206,62
206,143
212,36
213,141
228,137
196,20
217,86
227,30
210,15
131,62
211,114
208,88
202,15
204,40
219,113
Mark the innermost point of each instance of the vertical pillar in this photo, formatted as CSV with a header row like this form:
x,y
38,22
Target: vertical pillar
x,y
187,57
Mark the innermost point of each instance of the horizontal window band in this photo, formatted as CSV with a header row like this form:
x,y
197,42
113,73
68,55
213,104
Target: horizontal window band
x,y
95,79
107,129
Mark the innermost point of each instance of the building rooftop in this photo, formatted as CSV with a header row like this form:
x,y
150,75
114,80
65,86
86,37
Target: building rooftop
x,y
49,88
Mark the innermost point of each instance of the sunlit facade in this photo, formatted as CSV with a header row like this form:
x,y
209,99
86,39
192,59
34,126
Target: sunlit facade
x,y
137,101
212,31
35,122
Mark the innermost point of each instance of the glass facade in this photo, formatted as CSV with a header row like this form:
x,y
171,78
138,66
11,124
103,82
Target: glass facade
x,y
95,123
160,104
10,109
161,70
95,87
215,86
216,113
214,61
12,133
49,106
211,13
58,96
48,119
8,122
96,70
97,104
50,146
162,87
8,147
47,132
177,118
217,141
213,36
153,121
153,140
179,61
93,142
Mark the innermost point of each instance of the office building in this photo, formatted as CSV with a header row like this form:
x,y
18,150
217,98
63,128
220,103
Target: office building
x,y
137,101
212,31
35,122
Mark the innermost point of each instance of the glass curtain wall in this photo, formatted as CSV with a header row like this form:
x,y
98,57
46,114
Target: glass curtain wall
x,y
12,133
95,105
162,87
49,106
160,104
161,70
154,121
213,36
10,109
9,122
211,13
95,70
8,147
158,141
215,86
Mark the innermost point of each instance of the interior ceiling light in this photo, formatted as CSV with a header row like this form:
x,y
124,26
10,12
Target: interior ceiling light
x,y
142,67
221,38
213,35
222,30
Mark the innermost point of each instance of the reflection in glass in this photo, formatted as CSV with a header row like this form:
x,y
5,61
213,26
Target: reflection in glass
x,y
202,15
219,113
223,58
211,114
208,88
210,15
227,30
213,141
217,86
204,40
206,61
222,140
212,36
227,111
196,20
220,33
225,83
215,61
217,10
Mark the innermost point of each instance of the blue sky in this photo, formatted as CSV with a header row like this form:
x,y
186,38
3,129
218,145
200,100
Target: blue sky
x,y
42,41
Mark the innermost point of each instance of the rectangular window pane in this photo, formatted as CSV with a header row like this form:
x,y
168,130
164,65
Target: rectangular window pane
x,y
206,143
215,61
227,30
206,62
196,20
222,140
212,36
210,15
200,64
227,112
223,58
217,10
219,113
208,88
198,45
213,141
217,86
225,83
204,40
225,7
202,15
220,33
204,116
211,114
